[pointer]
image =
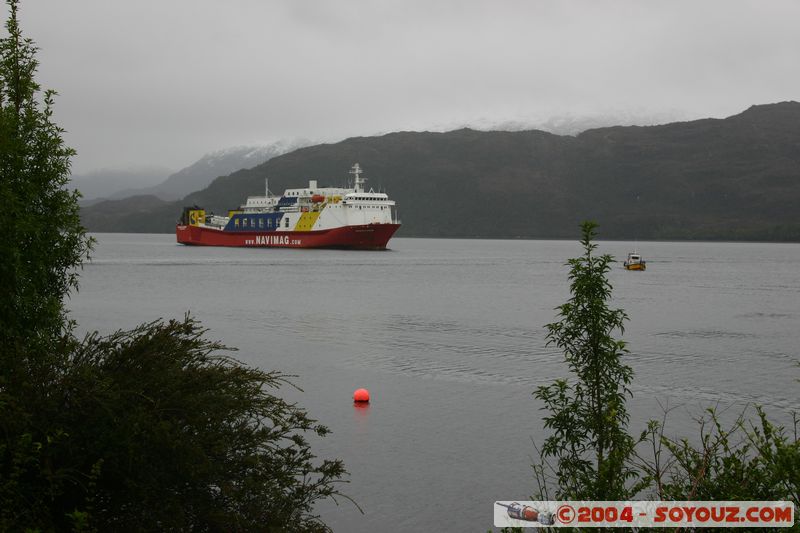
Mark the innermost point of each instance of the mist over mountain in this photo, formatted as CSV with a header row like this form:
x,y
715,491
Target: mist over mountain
x,y
571,124
105,183
116,185
220,163
734,178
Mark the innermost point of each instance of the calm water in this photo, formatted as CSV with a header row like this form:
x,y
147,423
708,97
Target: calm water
x,y
448,335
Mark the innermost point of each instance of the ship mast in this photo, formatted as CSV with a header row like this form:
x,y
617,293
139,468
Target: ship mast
x,y
359,181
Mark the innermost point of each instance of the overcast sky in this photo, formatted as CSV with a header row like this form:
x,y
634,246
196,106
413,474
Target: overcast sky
x,y
146,83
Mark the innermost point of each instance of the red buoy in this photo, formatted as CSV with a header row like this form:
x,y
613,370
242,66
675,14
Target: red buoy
x,y
361,396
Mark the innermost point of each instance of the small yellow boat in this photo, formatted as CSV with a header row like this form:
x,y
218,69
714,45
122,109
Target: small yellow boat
x,y
635,262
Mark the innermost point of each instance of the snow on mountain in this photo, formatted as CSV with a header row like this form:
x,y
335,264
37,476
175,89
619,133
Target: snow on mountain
x,y
571,124
192,178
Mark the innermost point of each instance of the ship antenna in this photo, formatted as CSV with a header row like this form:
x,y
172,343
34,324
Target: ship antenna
x,y
359,181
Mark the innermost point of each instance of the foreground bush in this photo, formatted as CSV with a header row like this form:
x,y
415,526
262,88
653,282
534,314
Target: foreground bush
x,y
181,436
750,459
160,430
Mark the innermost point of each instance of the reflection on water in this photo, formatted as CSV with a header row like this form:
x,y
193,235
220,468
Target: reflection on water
x,y
449,336
361,411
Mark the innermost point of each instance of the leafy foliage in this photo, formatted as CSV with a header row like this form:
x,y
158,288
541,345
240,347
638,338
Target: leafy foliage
x,y
159,430
749,460
588,418
43,241
151,429
183,437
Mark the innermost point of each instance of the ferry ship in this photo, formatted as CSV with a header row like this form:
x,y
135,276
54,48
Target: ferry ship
x,y
311,217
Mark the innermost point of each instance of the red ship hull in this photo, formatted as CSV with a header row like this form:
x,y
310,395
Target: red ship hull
x,y
366,237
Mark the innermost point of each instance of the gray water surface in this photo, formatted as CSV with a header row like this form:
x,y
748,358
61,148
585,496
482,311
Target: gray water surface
x,y
449,337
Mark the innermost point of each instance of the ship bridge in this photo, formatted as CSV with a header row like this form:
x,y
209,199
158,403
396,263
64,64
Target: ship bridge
x,y
367,197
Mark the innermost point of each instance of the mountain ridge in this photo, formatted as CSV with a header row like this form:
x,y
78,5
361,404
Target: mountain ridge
x,y
736,178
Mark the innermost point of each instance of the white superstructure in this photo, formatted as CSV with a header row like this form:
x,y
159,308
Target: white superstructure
x,y
311,208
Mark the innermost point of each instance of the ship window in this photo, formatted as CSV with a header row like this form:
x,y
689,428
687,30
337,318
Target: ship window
x,y
244,222
260,222
287,223
236,222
